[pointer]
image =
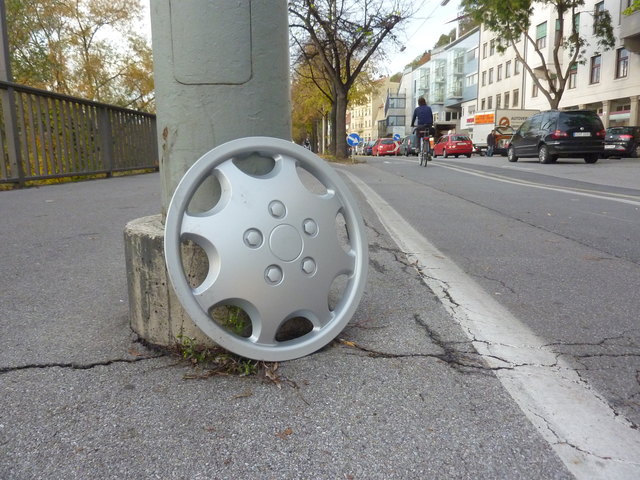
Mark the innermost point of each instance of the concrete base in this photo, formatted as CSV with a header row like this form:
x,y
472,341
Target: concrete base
x,y
155,312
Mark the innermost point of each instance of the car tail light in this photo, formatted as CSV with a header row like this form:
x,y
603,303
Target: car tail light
x,y
559,134
601,133
626,137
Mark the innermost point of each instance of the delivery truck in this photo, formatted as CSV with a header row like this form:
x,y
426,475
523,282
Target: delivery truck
x,y
504,121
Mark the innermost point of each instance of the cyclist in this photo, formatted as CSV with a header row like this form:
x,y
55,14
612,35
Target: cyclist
x,y
424,117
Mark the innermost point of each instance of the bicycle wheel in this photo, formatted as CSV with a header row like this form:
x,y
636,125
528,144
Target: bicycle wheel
x,y
425,151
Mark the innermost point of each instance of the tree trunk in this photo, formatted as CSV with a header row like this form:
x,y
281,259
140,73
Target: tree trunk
x,y
332,131
340,129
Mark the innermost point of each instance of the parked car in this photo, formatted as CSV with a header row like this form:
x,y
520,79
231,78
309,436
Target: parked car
x,y
386,146
622,142
453,144
409,145
368,147
553,133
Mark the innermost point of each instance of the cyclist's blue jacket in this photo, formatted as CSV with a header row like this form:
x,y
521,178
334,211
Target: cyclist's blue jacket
x,y
423,114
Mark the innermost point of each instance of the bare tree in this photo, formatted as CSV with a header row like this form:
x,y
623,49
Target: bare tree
x,y
342,36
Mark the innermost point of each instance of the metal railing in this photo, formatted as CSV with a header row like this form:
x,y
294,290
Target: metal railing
x,y
46,135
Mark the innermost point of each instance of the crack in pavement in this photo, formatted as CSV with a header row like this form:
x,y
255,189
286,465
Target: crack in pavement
x,y
77,366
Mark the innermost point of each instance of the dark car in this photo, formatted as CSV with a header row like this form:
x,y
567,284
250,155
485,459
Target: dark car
x,y
622,142
409,145
552,134
368,147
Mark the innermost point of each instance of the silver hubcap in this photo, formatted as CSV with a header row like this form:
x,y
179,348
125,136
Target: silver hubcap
x,y
275,248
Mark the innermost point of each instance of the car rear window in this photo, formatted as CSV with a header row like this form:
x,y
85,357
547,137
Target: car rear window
x,y
387,141
568,120
620,130
459,138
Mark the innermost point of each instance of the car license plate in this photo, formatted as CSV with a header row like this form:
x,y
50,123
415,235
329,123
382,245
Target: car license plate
x,y
582,134
609,147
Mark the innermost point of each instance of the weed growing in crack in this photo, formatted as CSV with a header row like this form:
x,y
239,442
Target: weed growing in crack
x,y
190,350
209,362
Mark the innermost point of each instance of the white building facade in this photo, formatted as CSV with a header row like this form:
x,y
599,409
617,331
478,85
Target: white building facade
x,y
606,82
469,75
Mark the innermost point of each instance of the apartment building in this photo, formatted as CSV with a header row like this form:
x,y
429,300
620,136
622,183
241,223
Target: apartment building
x,y
363,118
608,82
448,81
501,78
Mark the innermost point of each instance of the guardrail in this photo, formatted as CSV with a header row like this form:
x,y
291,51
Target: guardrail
x,y
47,135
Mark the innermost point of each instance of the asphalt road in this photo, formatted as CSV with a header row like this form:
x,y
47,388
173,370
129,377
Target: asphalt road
x,y
555,245
405,393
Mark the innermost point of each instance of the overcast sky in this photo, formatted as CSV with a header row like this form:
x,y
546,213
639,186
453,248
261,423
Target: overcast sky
x,y
422,32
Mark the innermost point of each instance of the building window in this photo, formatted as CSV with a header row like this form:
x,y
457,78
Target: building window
x,y
558,38
484,78
492,47
573,76
507,69
498,101
499,73
472,54
490,75
395,121
489,103
597,12
482,104
471,80
594,76
506,99
516,98
534,90
541,35
450,116
516,67
622,62
484,50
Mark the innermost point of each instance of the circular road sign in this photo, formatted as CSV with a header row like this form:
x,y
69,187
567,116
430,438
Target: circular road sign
x,y
396,137
353,139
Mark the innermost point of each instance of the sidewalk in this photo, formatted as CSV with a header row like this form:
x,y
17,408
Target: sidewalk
x,y
403,396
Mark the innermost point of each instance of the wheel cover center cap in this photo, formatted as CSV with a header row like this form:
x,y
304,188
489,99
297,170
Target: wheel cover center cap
x,y
285,243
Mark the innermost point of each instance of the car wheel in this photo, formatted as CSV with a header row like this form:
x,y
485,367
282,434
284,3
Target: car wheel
x,y
593,158
635,151
468,155
456,156
511,154
543,154
444,154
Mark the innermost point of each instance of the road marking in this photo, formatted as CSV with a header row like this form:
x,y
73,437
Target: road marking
x,y
582,428
616,197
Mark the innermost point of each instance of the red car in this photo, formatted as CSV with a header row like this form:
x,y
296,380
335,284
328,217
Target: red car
x,y
386,146
453,144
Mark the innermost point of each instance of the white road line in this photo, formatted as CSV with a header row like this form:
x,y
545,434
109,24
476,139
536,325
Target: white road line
x,y
616,197
585,432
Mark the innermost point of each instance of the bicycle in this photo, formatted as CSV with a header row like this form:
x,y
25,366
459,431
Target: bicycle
x,y
426,153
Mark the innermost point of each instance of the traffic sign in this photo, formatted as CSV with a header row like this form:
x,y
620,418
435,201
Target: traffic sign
x,y
396,137
353,139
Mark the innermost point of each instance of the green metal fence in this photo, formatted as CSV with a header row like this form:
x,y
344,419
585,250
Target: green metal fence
x,y
47,135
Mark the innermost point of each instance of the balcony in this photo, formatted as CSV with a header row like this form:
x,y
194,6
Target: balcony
x,y
630,31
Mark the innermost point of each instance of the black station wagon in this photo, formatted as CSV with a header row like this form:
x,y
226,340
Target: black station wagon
x,y
552,134
622,142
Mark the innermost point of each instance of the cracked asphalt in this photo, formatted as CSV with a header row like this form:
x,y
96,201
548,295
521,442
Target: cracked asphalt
x,y
401,394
